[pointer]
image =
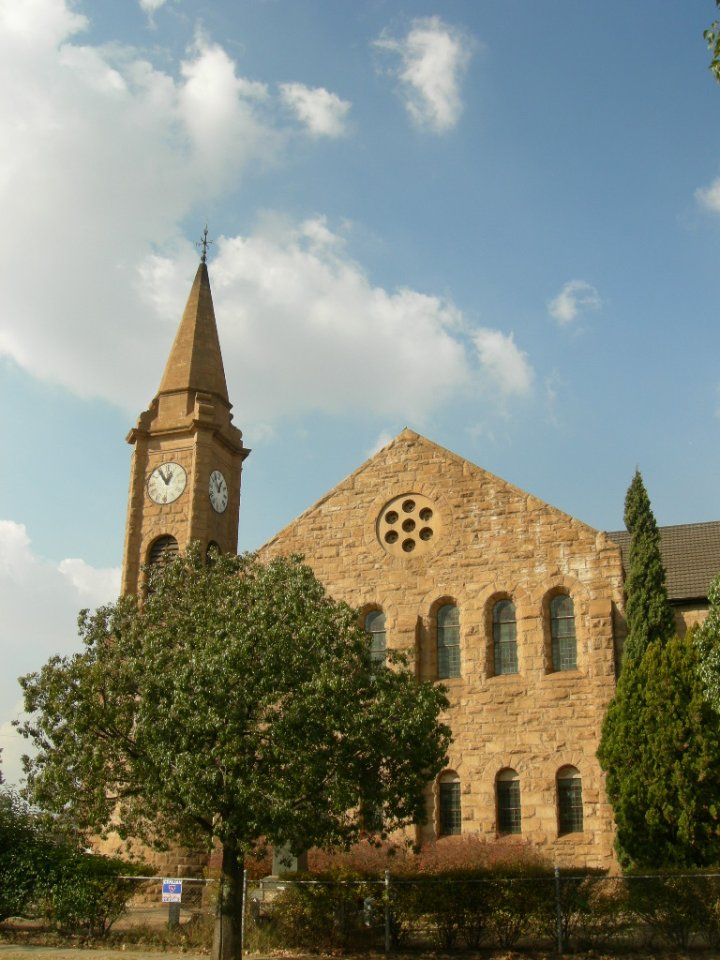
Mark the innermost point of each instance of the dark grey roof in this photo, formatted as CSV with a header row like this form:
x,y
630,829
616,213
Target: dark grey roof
x,y
691,554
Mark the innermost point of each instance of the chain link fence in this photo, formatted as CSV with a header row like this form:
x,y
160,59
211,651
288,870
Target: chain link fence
x,y
660,913
657,913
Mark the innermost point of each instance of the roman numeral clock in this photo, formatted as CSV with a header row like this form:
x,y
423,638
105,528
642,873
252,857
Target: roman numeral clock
x,y
166,483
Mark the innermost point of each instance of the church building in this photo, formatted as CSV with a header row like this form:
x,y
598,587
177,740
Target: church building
x,y
516,607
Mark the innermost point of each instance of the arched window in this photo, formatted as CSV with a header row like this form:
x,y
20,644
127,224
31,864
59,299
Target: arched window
x,y
505,637
562,633
450,819
375,626
164,548
507,787
569,801
448,641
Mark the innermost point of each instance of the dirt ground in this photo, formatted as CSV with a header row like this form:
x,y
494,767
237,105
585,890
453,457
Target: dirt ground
x,y
12,951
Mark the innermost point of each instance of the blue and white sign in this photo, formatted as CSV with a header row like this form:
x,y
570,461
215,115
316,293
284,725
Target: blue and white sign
x,y
171,891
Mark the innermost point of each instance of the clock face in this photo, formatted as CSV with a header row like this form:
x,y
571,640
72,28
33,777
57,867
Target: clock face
x,y
166,483
218,491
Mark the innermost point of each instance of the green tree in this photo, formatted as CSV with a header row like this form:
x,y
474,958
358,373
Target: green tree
x,y
22,854
647,610
664,781
712,36
680,764
45,870
708,641
649,621
237,702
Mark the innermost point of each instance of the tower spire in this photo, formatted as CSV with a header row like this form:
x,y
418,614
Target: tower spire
x,y
188,455
195,361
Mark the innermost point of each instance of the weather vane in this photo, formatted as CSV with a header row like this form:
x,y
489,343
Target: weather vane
x,y
203,245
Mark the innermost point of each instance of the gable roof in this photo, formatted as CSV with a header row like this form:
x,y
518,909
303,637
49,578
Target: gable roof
x,y
691,554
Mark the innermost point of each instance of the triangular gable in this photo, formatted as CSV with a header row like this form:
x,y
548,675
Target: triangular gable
x,y
408,448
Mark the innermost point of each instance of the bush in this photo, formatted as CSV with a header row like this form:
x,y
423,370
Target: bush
x,y
43,871
452,908
677,908
86,893
328,913
24,855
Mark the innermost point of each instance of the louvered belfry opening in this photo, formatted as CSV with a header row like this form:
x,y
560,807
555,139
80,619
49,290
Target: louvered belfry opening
x,y
164,548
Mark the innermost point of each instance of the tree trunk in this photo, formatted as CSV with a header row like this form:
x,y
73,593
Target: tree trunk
x,y
227,938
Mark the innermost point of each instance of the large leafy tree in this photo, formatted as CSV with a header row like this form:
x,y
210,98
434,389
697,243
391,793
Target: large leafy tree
x,y
650,621
236,702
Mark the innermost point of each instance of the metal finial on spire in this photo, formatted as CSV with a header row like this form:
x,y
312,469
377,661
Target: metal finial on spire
x,y
203,245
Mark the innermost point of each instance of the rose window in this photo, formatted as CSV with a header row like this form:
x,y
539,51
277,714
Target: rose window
x,y
408,525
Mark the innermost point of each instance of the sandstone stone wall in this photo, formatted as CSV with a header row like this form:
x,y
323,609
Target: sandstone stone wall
x,y
690,615
477,539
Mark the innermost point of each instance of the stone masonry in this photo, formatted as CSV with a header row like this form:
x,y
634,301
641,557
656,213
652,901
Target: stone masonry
x,y
488,540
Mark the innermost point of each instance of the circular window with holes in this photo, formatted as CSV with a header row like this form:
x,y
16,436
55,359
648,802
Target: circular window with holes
x,y
408,525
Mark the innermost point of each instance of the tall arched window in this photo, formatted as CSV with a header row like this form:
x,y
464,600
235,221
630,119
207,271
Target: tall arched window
x,y
375,626
562,633
164,548
569,800
505,637
507,786
450,814
448,641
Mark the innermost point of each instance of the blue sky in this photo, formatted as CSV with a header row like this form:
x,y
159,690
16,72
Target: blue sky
x,y
495,222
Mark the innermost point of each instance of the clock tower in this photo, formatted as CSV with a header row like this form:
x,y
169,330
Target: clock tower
x,y
188,455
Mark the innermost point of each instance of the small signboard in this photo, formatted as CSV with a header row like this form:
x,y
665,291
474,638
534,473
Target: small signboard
x,y
171,891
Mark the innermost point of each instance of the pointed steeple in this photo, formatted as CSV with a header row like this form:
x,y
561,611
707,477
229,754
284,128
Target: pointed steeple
x,y
195,361
186,434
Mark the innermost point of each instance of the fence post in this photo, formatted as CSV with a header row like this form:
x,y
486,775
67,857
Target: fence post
x,y
387,911
244,913
173,916
558,911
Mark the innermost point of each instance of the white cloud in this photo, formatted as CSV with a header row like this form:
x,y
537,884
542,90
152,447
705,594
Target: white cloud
x,y
150,6
105,157
346,344
709,197
323,113
36,25
576,297
40,601
89,582
433,58
506,366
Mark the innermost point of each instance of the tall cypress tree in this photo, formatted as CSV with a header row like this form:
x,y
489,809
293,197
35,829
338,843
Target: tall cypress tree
x,y
625,742
648,612
666,750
